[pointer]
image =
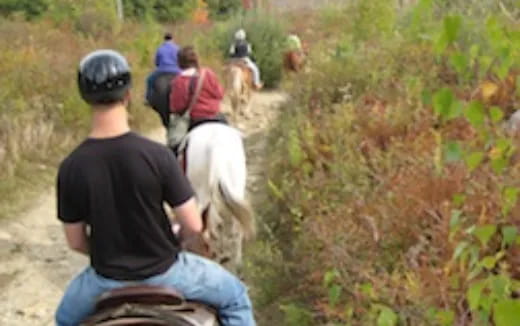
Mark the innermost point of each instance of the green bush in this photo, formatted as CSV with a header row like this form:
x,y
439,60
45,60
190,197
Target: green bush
x,y
267,36
30,8
162,10
223,9
98,19
371,19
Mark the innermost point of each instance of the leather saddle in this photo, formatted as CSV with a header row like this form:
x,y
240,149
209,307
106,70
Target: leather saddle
x,y
149,305
146,295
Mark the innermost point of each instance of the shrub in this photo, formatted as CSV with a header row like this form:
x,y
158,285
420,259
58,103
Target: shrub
x,y
394,181
30,8
223,9
97,20
267,37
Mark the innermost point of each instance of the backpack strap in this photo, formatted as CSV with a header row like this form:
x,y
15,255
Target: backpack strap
x,y
195,95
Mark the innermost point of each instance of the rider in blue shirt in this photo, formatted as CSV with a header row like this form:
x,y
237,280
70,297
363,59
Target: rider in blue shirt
x,y
165,62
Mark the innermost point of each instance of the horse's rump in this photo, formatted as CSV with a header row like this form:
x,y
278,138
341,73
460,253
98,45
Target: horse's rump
x,y
160,95
216,168
239,81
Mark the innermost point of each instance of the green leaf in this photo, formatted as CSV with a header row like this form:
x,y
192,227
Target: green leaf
x,y
460,62
509,198
473,160
485,63
475,113
452,152
499,164
484,233
387,317
506,312
473,294
446,105
500,287
296,316
446,317
274,189
334,294
441,43
511,194
488,262
455,218
368,290
452,27
503,145
329,277
460,249
509,234
496,114
458,199
442,100
474,272
474,51
426,97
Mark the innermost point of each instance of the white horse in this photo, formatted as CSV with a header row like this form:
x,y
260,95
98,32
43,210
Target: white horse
x,y
216,167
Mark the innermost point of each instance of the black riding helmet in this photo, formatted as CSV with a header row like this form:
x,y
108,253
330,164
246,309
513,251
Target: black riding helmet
x,y
104,77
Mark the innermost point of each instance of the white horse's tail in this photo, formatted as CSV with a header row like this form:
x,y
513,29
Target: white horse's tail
x,y
224,193
240,209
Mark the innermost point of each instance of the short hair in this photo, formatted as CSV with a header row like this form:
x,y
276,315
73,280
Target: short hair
x,y
168,36
188,58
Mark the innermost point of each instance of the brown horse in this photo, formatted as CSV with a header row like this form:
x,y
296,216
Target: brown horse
x,y
294,60
239,82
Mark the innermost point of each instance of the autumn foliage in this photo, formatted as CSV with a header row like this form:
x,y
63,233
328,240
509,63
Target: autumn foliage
x,y
395,174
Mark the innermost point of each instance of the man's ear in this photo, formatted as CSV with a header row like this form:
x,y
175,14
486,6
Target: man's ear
x,y
127,99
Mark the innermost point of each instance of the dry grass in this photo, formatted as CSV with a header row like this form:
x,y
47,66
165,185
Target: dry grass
x,y
41,113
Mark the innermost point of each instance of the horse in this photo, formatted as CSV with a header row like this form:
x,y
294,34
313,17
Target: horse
x,y
293,60
239,82
159,96
213,157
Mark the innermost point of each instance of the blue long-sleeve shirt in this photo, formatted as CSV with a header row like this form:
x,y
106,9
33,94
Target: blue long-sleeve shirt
x,y
166,58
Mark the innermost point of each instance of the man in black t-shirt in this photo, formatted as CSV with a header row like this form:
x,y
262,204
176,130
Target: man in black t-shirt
x,y
111,191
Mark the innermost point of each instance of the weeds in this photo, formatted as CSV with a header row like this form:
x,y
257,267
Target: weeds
x,y
393,178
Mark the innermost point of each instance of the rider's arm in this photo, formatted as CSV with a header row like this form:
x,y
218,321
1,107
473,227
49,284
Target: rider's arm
x,y
73,206
189,219
232,49
157,59
77,238
179,195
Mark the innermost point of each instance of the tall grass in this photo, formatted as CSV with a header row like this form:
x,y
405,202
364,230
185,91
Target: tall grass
x,y
41,113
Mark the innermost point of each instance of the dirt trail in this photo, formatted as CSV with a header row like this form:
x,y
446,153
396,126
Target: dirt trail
x,y
35,264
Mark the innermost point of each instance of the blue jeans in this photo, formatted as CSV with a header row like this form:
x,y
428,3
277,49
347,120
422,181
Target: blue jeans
x,y
197,278
149,84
